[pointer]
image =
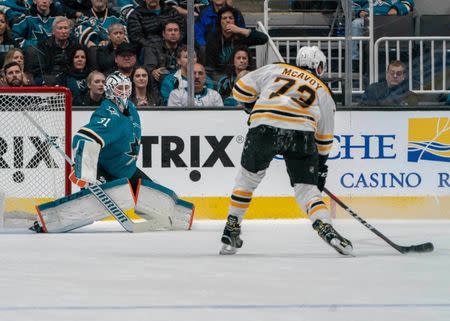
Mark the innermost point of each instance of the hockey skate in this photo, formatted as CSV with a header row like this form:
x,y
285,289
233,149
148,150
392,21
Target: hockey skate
x,y
230,237
329,235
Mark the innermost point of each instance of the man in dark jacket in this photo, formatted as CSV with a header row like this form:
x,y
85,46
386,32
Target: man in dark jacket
x,y
51,57
392,91
161,60
207,21
145,24
220,44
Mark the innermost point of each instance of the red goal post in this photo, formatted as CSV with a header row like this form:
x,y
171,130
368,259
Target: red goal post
x,y
31,170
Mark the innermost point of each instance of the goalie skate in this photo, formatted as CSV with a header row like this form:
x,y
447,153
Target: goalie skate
x,y
329,235
230,237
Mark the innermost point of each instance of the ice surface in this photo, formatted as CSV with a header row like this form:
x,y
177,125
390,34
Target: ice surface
x,y
283,272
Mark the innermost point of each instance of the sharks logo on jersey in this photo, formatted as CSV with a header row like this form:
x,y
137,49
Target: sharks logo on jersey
x,y
113,111
119,136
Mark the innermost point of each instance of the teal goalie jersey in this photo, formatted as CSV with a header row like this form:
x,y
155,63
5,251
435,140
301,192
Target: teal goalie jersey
x,y
119,137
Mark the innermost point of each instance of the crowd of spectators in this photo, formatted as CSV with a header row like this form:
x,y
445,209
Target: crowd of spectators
x,y
77,44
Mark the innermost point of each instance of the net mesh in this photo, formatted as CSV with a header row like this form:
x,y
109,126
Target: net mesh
x,y
31,170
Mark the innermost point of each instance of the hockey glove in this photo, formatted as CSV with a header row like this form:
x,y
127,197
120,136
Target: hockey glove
x,y
322,178
322,171
81,183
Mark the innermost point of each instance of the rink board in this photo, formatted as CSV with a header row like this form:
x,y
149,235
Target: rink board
x,y
383,163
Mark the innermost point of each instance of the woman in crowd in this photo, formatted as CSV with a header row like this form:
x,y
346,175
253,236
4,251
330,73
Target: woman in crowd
x,y
96,90
142,93
16,55
239,66
6,42
75,78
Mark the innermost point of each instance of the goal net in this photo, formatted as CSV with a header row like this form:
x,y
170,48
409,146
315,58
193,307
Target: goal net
x,y
31,170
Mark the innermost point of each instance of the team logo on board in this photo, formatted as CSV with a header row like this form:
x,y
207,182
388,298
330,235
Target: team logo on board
x,y
429,139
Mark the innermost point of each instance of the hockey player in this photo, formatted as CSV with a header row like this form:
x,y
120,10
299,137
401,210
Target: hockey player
x,y
108,146
291,114
106,150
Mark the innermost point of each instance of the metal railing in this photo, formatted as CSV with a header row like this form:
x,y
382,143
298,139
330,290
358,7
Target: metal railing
x,y
333,48
419,51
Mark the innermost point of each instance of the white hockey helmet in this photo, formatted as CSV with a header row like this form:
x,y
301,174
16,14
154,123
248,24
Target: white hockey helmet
x,y
311,57
118,89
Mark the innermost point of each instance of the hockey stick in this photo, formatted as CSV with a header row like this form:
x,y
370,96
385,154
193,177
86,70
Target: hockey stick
x,y
420,248
96,190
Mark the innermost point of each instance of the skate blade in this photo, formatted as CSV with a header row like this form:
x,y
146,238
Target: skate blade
x,y
344,250
227,250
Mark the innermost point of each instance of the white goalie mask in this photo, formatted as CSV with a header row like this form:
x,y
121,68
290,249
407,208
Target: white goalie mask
x,y
118,89
311,57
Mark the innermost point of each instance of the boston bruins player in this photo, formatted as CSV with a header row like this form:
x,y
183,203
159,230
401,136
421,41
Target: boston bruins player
x,y
291,114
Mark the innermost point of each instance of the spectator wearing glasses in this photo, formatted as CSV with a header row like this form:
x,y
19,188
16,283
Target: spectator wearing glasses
x,y
391,91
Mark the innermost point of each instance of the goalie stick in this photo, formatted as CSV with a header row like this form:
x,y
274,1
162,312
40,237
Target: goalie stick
x,y
420,248
97,191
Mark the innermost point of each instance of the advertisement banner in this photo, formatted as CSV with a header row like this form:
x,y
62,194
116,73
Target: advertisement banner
x,y
400,156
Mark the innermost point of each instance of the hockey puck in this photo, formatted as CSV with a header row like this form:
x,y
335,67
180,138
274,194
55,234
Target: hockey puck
x,y
18,177
195,175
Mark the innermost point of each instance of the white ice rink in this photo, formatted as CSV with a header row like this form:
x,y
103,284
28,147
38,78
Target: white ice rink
x,y
284,272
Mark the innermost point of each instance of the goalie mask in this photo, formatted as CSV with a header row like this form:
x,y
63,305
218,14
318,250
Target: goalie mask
x,y
312,58
118,89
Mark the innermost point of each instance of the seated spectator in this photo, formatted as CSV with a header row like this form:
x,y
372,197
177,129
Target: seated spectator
x,y
146,22
93,28
220,44
179,78
380,8
105,55
75,77
51,58
5,32
13,75
393,91
96,90
206,23
162,59
16,55
6,42
142,93
126,57
36,26
203,96
238,67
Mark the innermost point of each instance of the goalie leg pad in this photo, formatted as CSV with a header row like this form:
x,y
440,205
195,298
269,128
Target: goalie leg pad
x,y
82,208
160,205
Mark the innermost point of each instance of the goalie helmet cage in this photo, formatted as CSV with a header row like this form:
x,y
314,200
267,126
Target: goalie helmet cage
x,y
31,171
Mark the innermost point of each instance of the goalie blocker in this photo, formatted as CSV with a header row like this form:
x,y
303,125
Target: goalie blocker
x,y
159,206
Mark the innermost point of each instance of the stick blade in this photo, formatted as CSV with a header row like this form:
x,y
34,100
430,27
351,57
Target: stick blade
x,y
420,248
